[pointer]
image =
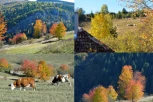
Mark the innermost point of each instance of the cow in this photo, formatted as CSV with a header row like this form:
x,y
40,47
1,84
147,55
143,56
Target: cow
x,y
61,78
22,83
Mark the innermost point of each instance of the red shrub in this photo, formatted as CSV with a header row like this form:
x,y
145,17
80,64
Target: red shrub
x,y
18,38
29,68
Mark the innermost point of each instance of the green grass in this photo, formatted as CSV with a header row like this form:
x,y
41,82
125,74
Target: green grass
x,y
45,92
38,47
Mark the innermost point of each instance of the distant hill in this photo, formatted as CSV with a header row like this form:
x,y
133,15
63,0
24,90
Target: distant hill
x,y
21,16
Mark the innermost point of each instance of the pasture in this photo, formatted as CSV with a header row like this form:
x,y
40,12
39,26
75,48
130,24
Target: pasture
x,y
130,38
121,25
45,91
33,46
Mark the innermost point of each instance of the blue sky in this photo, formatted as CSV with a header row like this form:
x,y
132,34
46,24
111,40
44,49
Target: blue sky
x,y
95,5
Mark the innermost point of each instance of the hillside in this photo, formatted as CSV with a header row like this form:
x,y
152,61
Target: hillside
x,y
21,16
39,46
104,69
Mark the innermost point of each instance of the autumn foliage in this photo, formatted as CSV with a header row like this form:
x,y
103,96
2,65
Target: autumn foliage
x,y
39,70
29,68
100,94
44,70
18,38
58,30
3,28
124,78
4,65
53,29
101,26
38,29
135,87
131,86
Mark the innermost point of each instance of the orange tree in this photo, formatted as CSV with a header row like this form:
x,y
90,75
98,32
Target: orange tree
x,y
135,87
3,28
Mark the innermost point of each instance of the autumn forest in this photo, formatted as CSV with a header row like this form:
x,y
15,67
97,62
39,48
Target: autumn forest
x,y
119,73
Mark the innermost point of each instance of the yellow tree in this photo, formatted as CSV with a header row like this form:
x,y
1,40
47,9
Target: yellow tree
x,y
112,94
3,28
44,71
100,94
101,26
38,29
124,78
60,30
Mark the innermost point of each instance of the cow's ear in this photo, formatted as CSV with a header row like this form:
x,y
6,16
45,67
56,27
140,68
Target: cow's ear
x,y
9,85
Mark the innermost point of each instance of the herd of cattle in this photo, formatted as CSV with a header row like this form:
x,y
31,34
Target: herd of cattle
x,y
22,83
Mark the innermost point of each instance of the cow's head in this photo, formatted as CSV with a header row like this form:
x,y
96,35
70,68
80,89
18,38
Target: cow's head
x,y
13,85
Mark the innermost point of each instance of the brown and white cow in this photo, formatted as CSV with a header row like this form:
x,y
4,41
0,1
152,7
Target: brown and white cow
x,y
22,83
61,78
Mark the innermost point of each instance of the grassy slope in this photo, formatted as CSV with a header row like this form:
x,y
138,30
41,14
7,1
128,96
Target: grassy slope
x,y
35,47
45,92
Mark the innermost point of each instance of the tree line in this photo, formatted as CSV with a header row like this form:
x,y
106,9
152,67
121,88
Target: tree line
x,y
104,10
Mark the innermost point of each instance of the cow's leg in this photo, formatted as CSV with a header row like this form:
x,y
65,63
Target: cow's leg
x,y
68,80
24,89
20,88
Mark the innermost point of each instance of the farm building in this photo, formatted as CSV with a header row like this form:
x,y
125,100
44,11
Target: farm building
x,y
85,42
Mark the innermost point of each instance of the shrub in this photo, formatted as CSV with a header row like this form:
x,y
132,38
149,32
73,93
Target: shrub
x,y
100,94
4,65
18,38
45,71
29,68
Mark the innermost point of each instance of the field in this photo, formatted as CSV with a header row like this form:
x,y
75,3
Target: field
x,y
45,92
36,46
133,36
121,25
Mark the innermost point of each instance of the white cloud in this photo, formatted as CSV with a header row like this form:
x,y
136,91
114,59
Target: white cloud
x,y
68,0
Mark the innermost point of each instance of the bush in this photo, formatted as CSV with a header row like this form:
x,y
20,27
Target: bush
x,y
4,65
29,68
18,38
45,71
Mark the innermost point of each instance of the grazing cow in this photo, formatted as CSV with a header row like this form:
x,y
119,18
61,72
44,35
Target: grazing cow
x,y
22,83
61,78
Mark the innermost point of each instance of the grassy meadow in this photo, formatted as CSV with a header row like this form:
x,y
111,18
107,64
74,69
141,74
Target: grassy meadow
x,y
33,46
45,91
